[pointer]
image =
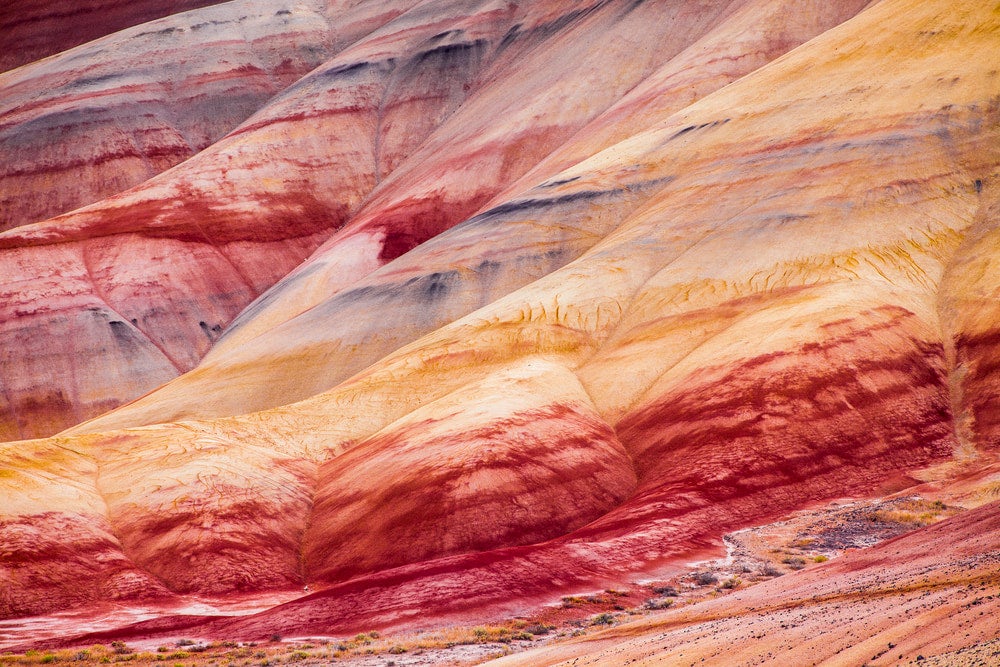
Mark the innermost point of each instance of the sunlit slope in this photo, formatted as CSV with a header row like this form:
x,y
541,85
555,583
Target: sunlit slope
x,y
91,122
109,301
266,358
33,29
761,325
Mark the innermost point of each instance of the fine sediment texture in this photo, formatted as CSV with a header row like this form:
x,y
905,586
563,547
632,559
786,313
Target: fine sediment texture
x,y
507,301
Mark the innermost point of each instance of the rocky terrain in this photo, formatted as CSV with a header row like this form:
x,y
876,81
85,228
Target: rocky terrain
x,y
327,317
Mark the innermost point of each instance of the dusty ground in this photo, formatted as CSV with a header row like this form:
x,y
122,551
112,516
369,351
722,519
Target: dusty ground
x,y
801,541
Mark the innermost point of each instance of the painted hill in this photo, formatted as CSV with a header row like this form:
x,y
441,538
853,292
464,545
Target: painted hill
x,y
498,302
31,30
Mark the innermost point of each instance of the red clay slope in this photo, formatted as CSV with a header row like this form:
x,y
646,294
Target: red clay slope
x,y
765,299
33,29
81,126
137,287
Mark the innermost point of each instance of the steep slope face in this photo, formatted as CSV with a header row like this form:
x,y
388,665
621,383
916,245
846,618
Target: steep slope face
x,y
81,126
500,250
757,328
56,496
969,306
31,30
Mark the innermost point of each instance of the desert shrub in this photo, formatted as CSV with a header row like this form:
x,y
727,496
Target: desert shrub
x,y
540,629
603,619
120,648
663,603
820,558
705,579
298,656
666,591
769,570
731,582
397,649
794,562
183,642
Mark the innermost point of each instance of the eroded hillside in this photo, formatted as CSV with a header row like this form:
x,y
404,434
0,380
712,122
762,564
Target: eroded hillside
x,y
443,310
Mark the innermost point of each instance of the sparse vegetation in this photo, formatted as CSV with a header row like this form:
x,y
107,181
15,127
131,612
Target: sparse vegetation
x,y
706,578
662,603
769,570
578,615
794,562
915,512
613,598
233,654
666,591
539,629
